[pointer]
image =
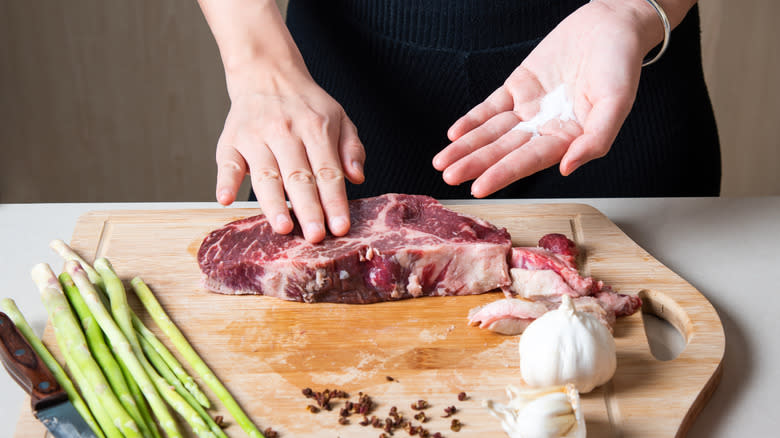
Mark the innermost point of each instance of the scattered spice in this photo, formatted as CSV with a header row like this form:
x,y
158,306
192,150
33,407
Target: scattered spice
x,y
270,433
390,379
364,406
420,405
220,421
449,411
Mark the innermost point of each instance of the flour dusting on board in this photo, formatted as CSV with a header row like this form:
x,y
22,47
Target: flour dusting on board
x,y
368,366
428,336
555,105
505,352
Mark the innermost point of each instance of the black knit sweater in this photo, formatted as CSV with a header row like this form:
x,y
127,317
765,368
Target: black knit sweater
x,y
405,70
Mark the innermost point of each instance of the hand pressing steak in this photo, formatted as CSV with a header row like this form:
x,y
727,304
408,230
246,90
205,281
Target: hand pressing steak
x,y
399,246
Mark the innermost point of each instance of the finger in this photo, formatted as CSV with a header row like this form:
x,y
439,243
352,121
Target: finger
x,y
322,150
352,152
539,153
498,102
600,130
231,169
298,181
475,139
476,163
267,185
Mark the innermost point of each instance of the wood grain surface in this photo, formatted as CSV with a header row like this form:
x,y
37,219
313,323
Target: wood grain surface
x,y
266,350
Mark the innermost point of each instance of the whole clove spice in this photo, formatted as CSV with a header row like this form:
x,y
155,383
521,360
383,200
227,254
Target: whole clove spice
x,y
420,416
455,425
420,405
449,411
462,396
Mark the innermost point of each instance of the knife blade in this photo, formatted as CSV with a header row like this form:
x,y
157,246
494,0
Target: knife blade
x,y
49,401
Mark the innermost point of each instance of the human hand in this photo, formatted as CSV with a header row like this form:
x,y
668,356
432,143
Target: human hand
x,y
596,52
292,137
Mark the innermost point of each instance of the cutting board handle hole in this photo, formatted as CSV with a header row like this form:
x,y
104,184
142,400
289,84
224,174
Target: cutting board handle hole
x,y
666,325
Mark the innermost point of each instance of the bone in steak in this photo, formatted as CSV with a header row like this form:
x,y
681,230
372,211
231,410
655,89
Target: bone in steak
x,y
399,246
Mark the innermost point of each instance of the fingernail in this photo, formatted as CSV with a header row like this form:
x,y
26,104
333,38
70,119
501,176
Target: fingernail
x,y
357,165
313,229
338,223
223,195
572,166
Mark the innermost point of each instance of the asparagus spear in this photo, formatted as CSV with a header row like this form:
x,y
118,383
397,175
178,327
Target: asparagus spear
x,y
138,396
182,376
103,418
121,312
103,355
185,349
75,348
162,367
122,347
9,307
67,253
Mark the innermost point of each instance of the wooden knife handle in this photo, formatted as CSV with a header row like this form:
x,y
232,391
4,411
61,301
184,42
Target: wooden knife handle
x,y
24,366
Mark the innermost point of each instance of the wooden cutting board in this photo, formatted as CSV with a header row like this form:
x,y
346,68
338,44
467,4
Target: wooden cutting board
x,y
267,350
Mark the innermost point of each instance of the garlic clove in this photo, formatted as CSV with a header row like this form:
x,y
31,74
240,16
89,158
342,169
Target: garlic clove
x,y
552,412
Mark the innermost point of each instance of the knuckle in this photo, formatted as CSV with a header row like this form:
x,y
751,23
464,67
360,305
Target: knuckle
x,y
329,174
300,176
230,166
280,127
318,120
265,175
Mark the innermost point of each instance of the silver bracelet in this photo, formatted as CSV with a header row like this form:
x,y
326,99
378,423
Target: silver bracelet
x,y
667,31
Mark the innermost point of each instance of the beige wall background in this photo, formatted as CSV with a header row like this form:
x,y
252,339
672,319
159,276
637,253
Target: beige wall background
x,y
124,100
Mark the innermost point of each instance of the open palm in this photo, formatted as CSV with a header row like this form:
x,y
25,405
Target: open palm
x,y
596,54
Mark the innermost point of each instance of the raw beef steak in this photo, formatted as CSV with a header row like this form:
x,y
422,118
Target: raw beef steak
x,y
399,246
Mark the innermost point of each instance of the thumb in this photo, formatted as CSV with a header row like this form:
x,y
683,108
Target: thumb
x,y
599,132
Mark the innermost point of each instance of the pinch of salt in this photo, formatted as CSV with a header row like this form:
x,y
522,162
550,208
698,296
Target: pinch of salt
x,y
554,105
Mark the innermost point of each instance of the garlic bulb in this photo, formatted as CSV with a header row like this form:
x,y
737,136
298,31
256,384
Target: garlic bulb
x,y
541,413
566,346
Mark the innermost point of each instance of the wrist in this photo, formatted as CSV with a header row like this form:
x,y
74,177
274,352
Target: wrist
x,y
264,76
645,20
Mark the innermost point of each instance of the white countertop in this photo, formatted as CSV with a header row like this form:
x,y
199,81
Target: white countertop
x,y
729,249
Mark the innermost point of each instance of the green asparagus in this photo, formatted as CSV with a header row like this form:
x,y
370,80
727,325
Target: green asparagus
x,y
105,420
162,367
185,349
9,307
138,396
121,312
67,328
122,348
103,355
171,361
67,253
